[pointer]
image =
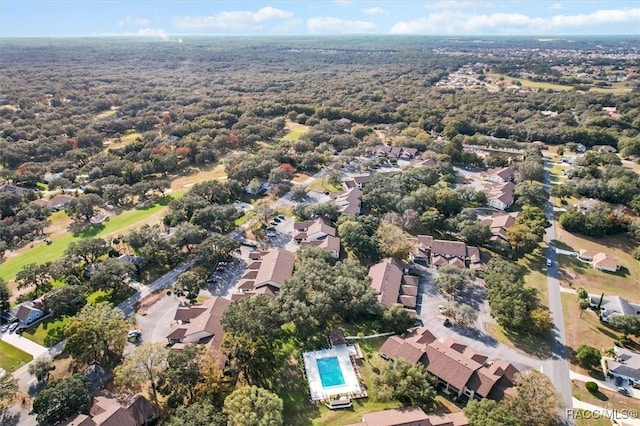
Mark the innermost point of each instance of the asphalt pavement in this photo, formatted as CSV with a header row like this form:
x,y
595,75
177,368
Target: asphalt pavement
x,y
556,368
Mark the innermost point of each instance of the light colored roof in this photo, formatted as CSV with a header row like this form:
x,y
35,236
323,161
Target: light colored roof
x,y
449,248
79,420
108,412
396,416
605,260
386,278
504,172
587,254
276,267
322,225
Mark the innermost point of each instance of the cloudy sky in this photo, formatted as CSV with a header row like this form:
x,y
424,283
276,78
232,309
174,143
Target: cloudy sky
x,y
24,18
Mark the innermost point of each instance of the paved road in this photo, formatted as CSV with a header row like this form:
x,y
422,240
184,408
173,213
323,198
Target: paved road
x,y
556,368
165,281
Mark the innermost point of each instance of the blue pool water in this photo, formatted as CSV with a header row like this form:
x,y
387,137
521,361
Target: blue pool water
x,y
330,372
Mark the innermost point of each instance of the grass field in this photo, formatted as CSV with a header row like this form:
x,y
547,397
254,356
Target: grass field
x,y
12,358
321,185
295,131
123,140
204,174
537,273
541,85
529,83
48,327
533,345
625,283
588,418
45,253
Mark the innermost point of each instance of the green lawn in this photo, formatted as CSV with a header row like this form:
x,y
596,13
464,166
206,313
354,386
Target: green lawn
x,y
321,185
48,332
46,253
12,358
529,83
295,131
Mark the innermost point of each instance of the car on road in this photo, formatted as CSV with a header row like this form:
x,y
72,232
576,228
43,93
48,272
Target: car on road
x,y
623,391
548,262
13,326
618,381
4,328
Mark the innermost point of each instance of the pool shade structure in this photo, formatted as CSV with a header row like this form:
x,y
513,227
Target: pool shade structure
x,y
330,373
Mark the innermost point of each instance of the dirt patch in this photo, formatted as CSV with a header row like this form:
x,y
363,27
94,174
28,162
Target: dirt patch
x,y
300,177
148,301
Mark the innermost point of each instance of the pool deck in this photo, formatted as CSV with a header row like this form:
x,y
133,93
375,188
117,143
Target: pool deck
x,y
351,384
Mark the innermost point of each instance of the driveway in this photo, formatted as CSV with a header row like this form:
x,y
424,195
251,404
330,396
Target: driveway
x,y
154,326
22,343
475,337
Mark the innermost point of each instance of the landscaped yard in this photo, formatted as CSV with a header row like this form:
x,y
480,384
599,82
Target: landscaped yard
x,y
585,330
201,175
321,185
12,358
48,332
604,398
624,283
123,140
530,344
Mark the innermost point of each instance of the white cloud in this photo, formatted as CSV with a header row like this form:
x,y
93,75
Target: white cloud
x,y
458,22
374,11
151,32
458,4
556,6
129,21
327,24
233,21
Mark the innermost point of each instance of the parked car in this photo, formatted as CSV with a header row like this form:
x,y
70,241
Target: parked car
x,y
447,323
134,334
271,228
618,381
281,217
548,262
13,326
220,268
624,391
4,328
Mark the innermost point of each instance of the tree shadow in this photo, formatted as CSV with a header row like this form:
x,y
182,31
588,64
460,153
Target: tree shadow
x,y
9,419
291,386
86,231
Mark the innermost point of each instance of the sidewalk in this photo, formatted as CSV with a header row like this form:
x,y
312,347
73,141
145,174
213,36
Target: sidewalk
x,y
32,348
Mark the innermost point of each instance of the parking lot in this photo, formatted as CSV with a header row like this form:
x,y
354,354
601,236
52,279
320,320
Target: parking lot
x,y
222,282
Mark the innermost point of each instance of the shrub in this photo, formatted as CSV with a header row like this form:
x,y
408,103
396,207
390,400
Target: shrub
x,y
582,293
591,387
636,253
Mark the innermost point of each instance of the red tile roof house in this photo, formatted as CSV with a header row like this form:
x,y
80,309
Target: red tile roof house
x,y
317,233
266,273
107,411
349,201
358,180
199,324
500,175
461,372
411,416
440,252
392,284
499,223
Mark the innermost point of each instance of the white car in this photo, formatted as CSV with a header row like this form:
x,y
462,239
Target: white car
x,y
548,262
13,326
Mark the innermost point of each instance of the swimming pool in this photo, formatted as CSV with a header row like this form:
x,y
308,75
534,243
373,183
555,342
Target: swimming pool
x,y
330,372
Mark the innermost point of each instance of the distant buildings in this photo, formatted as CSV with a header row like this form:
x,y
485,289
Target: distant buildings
x,y
57,203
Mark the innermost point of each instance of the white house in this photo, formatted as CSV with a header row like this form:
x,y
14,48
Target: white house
x,y
501,175
612,305
626,365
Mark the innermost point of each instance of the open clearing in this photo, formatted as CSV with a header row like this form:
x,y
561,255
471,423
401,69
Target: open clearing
x,y
46,253
295,131
12,358
122,141
624,283
201,175
616,89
